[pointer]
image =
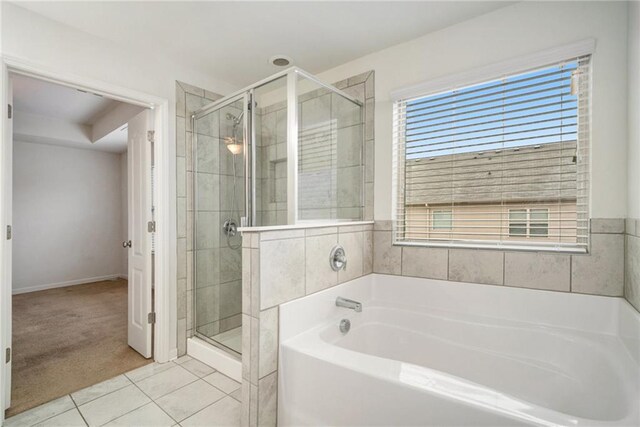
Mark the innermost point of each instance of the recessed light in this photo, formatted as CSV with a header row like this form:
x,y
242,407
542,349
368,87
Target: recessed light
x,y
280,60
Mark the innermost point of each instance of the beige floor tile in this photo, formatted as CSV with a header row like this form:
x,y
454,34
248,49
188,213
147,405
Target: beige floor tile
x,y
113,405
71,418
90,393
148,370
188,400
225,412
149,415
237,395
180,360
198,368
222,382
166,381
41,413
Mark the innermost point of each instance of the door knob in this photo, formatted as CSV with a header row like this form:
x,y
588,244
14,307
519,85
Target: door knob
x,y
126,244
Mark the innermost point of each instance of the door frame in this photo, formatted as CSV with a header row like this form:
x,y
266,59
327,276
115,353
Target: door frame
x,y
164,197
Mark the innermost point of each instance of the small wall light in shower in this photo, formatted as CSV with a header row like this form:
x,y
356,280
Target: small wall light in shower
x,y
232,145
280,60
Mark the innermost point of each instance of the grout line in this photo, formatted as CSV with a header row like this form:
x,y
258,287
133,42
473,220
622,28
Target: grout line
x,y
126,413
448,256
78,409
571,273
152,401
106,394
200,410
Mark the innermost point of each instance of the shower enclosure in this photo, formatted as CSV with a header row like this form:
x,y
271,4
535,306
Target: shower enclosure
x,y
286,150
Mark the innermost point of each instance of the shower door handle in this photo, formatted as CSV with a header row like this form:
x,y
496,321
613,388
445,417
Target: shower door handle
x,y
126,244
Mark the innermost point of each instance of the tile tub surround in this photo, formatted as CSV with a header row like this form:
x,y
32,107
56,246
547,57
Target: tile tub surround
x,y
184,391
632,262
280,266
601,272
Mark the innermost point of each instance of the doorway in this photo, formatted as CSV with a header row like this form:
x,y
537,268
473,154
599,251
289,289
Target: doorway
x,y
96,291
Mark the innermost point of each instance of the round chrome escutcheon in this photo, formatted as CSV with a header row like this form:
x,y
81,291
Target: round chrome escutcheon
x,y
345,325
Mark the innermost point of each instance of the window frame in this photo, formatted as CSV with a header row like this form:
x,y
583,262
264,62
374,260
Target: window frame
x,y
527,223
433,220
478,76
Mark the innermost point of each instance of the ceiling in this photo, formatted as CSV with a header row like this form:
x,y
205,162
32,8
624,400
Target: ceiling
x,y
234,40
48,113
52,100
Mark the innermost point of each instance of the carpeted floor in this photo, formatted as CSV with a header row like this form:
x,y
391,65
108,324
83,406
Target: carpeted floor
x,y
66,339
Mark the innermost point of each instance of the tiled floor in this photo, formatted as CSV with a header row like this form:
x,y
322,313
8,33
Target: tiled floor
x,y
184,392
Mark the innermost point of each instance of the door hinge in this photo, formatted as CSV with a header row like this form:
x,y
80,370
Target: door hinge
x,y
151,226
9,234
7,357
151,135
10,111
151,317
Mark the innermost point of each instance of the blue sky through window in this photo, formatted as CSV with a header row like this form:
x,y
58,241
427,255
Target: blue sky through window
x,y
528,109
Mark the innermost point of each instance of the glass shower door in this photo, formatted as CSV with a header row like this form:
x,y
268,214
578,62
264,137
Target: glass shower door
x,y
220,147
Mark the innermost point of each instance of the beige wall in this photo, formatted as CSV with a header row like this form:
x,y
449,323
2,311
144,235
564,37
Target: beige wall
x,y
490,222
512,32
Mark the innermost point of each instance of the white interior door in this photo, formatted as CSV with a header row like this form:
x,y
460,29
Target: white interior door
x,y
140,305
6,212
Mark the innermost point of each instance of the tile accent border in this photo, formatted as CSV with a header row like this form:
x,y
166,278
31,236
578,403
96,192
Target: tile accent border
x,y
278,267
632,262
600,272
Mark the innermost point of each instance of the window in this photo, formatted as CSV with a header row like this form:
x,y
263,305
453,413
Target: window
x,y
539,222
518,222
501,163
529,222
442,220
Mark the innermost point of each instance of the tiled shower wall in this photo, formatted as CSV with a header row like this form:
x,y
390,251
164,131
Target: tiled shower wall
x,y
362,88
188,99
331,166
218,263
601,272
632,262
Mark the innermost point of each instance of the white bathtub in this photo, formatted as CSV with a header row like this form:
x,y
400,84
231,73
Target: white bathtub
x,y
427,352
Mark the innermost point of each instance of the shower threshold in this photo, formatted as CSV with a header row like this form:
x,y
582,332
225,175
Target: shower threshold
x,y
221,359
231,339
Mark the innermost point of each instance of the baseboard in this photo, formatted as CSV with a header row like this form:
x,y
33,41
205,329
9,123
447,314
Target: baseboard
x,y
63,284
173,354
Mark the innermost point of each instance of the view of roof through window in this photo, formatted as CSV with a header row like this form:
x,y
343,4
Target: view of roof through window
x,y
535,108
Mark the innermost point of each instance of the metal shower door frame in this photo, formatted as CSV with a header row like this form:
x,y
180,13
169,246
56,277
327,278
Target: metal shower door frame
x,y
245,97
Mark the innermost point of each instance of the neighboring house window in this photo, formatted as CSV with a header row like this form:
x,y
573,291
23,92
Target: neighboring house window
x,y
538,222
517,222
528,222
516,144
442,220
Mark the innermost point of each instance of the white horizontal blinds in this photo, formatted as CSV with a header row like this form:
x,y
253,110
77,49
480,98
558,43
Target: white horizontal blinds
x,y
516,143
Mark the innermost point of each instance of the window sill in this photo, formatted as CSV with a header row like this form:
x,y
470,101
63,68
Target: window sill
x,y
518,247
